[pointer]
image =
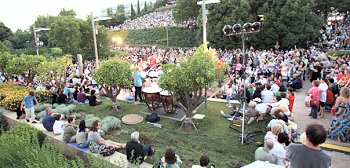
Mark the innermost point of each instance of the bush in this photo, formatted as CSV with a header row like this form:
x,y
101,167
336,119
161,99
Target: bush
x,y
11,95
90,118
110,123
41,107
339,53
178,37
25,146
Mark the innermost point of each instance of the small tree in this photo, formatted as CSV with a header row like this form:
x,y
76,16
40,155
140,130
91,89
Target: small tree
x,y
56,69
188,82
138,8
132,13
115,74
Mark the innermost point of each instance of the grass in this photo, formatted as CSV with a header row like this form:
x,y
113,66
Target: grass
x,y
213,137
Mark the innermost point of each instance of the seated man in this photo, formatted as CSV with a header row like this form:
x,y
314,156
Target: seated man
x,y
262,153
135,151
49,119
295,83
203,162
267,94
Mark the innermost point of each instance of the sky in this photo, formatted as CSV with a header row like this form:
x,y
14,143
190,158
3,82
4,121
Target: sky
x,y
20,14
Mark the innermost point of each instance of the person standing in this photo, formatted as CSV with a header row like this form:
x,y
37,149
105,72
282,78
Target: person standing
x,y
309,154
314,91
28,102
323,96
138,84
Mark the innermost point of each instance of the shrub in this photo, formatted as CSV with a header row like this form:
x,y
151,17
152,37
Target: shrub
x,y
22,147
109,123
41,107
90,118
41,114
11,95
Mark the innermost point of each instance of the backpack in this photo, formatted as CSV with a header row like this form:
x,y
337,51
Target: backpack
x,y
153,118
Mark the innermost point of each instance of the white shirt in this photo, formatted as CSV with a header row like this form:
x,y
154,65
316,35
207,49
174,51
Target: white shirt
x,y
58,127
270,136
267,96
261,108
323,95
275,88
279,151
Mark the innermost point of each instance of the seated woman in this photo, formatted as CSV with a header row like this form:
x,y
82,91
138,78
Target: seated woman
x,y
58,126
81,97
170,160
96,140
82,133
62,98
273,133
70,132
262,153
93,99
250,113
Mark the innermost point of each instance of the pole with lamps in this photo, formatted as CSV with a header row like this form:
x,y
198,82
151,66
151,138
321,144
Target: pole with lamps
x,y
36,39
238,30
94,32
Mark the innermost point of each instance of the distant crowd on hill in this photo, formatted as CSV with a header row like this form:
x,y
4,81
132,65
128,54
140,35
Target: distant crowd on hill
x,y
153,20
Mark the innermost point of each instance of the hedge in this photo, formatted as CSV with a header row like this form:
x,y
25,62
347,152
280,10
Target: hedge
x,y
25,146
339,53
11,95
178,37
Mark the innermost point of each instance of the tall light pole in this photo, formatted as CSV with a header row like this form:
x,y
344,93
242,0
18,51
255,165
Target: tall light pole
x,y
36,39
165,24
93,20
204,17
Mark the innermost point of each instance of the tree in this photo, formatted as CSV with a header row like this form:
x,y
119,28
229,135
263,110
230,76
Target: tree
x,y
42,22
24,64
4,59
5,32
86,44
290,23
3,47
188,81
132,14
113,73
138,8
65,34
22,39
227,12
158,4
56,69
145,10
186,9
65,12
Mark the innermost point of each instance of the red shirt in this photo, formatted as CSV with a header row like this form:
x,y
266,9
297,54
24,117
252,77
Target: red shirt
x,y
291,98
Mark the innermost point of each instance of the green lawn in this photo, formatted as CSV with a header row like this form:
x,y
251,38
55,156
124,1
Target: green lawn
x,y
213,137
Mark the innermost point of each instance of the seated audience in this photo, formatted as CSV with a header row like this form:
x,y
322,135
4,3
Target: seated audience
x,y
279,150
309,154
69,132
81,137
170,160
295,83
267,94
273,134
262,153
81,97
62,98
49,119
135,151
93,99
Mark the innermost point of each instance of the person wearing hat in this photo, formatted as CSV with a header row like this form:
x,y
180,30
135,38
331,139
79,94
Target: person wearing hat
x,y
135,151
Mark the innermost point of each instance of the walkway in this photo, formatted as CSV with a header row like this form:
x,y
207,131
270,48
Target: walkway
x,y
339,160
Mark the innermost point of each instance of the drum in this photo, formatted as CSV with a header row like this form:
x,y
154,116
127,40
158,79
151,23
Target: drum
x,y
167,101
152,97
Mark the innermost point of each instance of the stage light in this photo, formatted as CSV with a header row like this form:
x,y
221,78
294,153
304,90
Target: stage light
x,y
237,28
227,29
256,26
247,27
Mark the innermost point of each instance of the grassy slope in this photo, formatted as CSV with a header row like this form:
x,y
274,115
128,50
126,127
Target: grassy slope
x,y
213,137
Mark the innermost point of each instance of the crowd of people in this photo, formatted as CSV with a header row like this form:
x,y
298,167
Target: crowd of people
x,y
153,20
335,35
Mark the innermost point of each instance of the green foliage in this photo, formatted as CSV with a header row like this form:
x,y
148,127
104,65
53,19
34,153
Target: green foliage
x,y
58,67
56,52
324,7
110,123
186,82
5,57
41,107
23,63
132,13
65,12
65,110
43,22
5,32
90,118
3,47
87,44
65,34
105,74
178,37
338,53
22,39
138,8
158,4
186,9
